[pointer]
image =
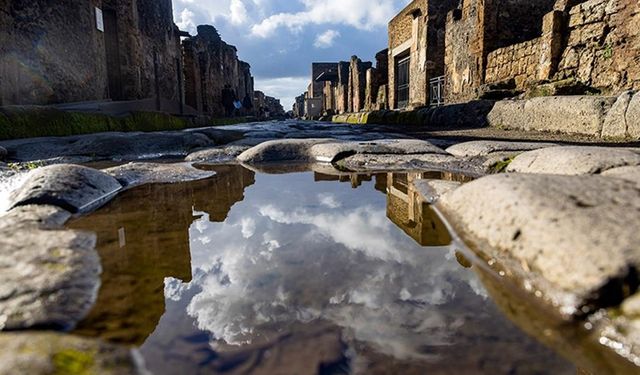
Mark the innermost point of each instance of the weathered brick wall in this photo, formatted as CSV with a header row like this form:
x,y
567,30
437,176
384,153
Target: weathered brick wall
x,y
407,36
603,46
50,52
480,27
215,64
160,45
357,83
518,61
464,52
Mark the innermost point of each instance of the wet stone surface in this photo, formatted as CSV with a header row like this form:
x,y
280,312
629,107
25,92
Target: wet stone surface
x,y
297,273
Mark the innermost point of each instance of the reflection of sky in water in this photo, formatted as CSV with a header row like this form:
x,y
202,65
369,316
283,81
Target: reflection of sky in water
x,y
296,250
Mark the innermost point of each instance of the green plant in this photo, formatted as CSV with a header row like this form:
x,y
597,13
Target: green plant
x,y
502,165
73,362
607,51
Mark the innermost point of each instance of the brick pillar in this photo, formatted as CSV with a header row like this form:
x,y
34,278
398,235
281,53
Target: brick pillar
x,y
550,44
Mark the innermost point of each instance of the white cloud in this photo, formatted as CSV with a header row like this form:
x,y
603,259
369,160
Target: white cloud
x,y
248,226
286,88
238,12
361,14
326,39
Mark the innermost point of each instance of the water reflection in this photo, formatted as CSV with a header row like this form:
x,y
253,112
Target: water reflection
x,y
300,277
142,238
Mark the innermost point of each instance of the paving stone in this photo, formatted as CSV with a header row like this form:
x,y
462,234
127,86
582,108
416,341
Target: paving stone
x,y
484,148
285,150
52,353
331,152
49,276
574,238
136,173
573,160
72,187
217,154
625,173
432,190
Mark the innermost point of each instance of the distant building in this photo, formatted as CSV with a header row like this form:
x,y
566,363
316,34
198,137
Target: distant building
x,y
119,50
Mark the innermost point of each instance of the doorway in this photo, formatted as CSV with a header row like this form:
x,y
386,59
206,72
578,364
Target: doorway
x,y
403,79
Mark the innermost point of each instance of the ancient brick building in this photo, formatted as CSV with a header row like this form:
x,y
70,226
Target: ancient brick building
x,y
357,84
376,83
56,52
518,44
416,51
210,65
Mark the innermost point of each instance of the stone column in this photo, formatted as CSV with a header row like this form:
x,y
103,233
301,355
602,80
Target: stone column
x,y
550,44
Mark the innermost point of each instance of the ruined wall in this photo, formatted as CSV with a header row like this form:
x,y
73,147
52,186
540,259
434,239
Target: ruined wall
x,y
40,58
418,32
376,78
160,51
342,87
316,70
211,64
603,45
518,61
357,84
53,52
464,52
480,27
407,37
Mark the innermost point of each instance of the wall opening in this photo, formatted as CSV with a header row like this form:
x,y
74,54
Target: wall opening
x,y
402,81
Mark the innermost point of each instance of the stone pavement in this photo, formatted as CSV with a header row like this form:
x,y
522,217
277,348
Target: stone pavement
x,y
560,221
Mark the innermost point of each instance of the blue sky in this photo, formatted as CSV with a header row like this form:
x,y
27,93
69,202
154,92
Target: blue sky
x,y
281,38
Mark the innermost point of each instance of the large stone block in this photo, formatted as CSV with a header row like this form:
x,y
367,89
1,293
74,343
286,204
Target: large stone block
x,y
563,114
48,276
615,123
632,117
52,353
573,160
72,187
572,238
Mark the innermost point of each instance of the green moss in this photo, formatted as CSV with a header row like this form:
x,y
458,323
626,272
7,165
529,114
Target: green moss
x,y
501,166
73,362
32,122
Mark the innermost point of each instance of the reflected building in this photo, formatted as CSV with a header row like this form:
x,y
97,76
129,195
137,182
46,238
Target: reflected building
x,y
143,237
407,209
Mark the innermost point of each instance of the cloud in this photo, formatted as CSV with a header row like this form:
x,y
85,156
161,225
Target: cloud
x,y
285,88
326,39
361,14
238,12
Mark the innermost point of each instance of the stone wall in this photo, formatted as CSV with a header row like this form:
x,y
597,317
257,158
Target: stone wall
x,y
210,65
357,84
518,61
32,68
377,79
418,32
53,52
603,45
407,38
318,68
480,27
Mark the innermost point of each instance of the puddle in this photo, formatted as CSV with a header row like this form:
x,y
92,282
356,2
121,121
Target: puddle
x,y
302,273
